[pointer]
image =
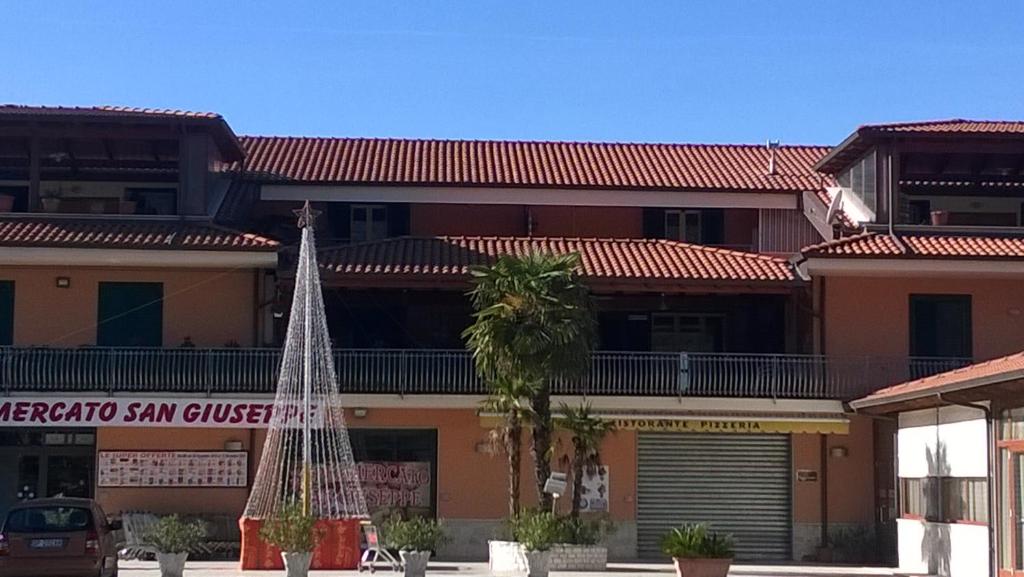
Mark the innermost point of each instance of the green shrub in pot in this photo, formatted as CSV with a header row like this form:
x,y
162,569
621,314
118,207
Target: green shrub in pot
x,y
296,535
173,539
698,552
415,539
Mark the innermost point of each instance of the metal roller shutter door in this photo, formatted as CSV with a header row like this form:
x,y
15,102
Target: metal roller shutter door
x,y
736,483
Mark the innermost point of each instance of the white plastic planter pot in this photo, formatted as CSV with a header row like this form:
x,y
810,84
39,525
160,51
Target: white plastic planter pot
x,y
537,563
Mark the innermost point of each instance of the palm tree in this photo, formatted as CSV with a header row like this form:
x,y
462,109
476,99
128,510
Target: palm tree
x,y
533,324
510,398
587,433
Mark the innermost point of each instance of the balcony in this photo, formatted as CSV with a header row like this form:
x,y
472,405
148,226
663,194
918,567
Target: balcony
x,y
417,372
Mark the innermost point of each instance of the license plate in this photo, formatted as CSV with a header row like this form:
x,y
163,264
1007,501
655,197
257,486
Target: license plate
x,y
46,543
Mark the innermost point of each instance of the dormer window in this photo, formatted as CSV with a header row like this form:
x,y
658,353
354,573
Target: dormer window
x,y
369,222
684,225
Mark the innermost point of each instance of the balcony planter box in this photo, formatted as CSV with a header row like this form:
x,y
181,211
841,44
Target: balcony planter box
x,y
566,557
702,567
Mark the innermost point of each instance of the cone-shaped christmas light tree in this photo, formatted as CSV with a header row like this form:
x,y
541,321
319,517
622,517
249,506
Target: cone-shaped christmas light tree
x,y
307,457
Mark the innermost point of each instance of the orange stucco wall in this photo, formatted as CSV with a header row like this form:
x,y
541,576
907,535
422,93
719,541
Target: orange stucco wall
x,y
851,494
212,307
871,316
211,500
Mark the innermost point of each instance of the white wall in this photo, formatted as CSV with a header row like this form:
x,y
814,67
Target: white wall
x,y
949,442
953,550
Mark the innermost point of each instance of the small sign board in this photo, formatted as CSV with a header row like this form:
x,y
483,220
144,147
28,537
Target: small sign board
x,y
806,476
556,484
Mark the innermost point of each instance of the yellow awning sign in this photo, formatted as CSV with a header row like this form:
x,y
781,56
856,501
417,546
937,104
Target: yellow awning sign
x,y
731,426
718,425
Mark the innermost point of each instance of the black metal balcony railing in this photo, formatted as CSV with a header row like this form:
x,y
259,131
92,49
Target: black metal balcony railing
x,y
413,371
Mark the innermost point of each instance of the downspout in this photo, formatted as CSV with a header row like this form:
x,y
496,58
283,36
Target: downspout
x,y
990,485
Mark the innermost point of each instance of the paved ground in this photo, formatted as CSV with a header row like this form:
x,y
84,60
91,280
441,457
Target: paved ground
x,y
443,569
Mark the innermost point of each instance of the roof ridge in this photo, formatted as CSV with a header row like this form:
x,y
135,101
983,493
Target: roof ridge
x,y
527,141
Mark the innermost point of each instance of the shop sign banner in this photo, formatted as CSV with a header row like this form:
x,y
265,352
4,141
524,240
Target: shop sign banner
x,y
732,426
594,496
389,484
172,468
148,412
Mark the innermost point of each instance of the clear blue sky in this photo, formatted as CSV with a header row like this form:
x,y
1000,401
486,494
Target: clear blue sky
x,y
628,70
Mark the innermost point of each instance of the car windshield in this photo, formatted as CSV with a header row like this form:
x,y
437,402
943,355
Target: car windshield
x,y
48,520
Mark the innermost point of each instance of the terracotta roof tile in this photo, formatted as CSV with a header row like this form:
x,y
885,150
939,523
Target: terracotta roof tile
x,y
128,234
1009,365
602,259
532,164
875,245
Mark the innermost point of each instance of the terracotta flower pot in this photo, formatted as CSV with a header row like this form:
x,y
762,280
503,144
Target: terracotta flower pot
x,y
702,567
940,217
171,564
414,562
6,203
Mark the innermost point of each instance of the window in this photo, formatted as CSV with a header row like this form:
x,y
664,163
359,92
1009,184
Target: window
x,y
945,499
671,332
919,212
860,180
684,225
940,326
51,519
130,314
6,312
369,222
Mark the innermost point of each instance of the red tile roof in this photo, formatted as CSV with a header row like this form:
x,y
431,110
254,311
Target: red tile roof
x,y
102,111
857,143
953,125
532,164
996,370
54,232
644,261
876,245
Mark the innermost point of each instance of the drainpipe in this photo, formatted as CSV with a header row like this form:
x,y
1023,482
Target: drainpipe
x,y
990,486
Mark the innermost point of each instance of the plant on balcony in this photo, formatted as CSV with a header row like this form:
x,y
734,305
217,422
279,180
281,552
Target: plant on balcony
x,y
697,551
50,199
533,324
173,539
587,433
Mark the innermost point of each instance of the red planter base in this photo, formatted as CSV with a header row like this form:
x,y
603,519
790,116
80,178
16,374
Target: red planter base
x,y
338,549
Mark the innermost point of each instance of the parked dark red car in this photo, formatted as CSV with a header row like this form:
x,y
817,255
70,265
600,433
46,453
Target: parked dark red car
x,y
58,537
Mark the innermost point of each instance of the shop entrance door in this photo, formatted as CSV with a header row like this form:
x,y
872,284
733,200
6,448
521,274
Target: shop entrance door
x,y
45,463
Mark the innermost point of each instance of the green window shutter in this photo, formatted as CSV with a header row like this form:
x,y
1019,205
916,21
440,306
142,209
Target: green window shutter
x,y
6,313
130,314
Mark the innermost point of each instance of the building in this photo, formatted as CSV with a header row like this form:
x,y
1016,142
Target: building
x,y
145,266
933,278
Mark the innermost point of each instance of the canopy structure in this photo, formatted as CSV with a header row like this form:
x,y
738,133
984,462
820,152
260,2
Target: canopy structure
x,y
307,457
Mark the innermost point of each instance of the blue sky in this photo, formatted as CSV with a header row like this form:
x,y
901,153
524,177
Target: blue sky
x,y
678,71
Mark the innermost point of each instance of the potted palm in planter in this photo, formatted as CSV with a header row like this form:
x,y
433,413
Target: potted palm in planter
x,y
296,535
173,540
415,539
698,552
